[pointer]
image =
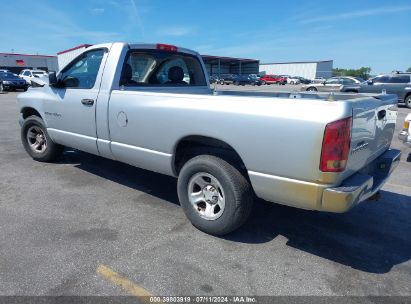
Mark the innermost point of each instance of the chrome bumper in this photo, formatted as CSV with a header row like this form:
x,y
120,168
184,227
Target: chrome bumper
x,y
315,196
361,186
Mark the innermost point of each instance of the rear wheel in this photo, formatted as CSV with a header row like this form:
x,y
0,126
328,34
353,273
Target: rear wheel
x,y
215,196
312,89
408,101
37,142
263,83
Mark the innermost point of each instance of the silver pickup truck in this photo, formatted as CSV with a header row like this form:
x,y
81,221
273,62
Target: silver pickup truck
x,y
151,106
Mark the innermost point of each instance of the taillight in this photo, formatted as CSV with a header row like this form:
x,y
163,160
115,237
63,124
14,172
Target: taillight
x,y
166,47
336,145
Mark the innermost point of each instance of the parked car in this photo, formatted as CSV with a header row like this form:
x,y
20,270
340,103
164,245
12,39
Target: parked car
x,y
30,75
293,80
333,84
10,82
223,147
304,80
405,134
273,79
246,79
227,78
396,83
318,80
4,71
214,79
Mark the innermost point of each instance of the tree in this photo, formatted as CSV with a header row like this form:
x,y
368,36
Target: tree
x,y
409,70
363,72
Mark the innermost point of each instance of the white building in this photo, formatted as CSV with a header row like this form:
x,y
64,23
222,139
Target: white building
x,y
17,62
306,69
67,56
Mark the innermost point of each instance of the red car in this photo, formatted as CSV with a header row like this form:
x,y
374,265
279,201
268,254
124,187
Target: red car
x,y
273,79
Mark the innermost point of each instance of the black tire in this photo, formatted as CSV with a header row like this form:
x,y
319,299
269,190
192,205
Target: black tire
x,y
263,83
25,90
51,152
238,194
312,89
2,88
408,101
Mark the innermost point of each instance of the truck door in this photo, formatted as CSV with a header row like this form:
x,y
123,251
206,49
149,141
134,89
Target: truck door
x,y
70,108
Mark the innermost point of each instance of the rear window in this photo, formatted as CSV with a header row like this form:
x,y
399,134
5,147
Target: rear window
x,y
161,68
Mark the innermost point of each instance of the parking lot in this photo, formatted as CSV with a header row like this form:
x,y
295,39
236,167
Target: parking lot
x,y
87,226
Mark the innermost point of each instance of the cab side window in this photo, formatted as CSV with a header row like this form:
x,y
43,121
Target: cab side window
x,y
161,68
82,72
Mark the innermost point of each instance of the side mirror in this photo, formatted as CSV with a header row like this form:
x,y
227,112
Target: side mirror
x,y
53,82
370,82
324,82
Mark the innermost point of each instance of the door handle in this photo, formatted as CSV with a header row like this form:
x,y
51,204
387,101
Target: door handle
x,y
87,102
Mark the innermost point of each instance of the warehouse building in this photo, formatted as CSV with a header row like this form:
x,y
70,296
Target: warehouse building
x,y
306,69
217,65
17,62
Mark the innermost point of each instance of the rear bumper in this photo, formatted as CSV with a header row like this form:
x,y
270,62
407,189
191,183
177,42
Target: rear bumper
x,y
306,195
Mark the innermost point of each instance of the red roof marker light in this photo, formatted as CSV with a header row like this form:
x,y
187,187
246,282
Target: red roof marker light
x,y
166,47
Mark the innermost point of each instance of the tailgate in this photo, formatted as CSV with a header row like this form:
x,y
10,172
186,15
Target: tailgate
x,y
372,130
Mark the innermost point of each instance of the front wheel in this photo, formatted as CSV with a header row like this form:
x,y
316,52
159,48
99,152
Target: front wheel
x,y
1,88
37,142
312,89
214,195
408,101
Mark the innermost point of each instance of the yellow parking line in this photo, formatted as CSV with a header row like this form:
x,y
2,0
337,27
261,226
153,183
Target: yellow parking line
x,y
124,283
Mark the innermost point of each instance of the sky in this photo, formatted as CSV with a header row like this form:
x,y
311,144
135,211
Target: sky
x,y
352,33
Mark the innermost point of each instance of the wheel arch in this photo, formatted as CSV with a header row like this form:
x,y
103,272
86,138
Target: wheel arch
x,y
29,111
194,145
